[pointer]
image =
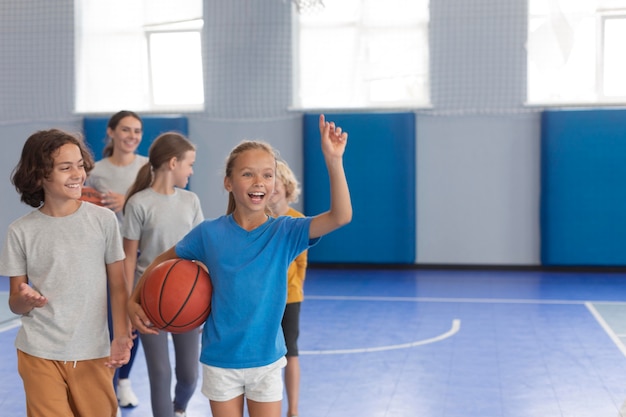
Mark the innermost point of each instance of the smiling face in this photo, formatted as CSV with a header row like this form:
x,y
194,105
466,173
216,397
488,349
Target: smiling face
x,y
127,135
252,180
67,177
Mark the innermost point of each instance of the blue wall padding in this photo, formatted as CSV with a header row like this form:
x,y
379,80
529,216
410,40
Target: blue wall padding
x,y
380,166
583,187
95,128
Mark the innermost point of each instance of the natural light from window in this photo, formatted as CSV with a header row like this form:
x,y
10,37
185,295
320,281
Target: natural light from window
x,y
575,52
144,55
362,54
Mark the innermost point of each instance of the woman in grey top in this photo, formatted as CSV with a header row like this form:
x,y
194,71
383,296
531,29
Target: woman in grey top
x,y
112,176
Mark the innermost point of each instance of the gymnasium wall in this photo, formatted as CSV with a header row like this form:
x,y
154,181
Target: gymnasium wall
x,y
583,183
380,167
477,150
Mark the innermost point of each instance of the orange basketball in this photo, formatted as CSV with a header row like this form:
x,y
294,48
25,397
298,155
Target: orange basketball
x,y
92,195
176,295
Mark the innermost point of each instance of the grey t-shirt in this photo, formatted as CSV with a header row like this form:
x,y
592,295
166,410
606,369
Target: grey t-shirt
x,y
107,177
65,260
159,221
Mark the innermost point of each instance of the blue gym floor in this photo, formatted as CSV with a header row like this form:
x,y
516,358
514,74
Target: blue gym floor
x,y
440,343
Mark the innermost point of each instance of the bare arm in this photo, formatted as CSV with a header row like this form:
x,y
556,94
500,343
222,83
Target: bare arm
x,y
130,263
22,297
118,292
333,142
137,315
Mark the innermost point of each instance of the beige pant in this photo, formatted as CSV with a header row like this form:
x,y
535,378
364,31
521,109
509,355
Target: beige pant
x,y
64,389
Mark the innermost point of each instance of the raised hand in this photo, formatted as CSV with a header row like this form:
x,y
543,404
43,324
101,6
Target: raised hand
x,y
334,140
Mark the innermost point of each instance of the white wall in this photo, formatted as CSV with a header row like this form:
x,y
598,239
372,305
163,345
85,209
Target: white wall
x,y
478,190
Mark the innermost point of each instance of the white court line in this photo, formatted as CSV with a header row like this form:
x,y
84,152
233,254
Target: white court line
x,y
606,327
10,325
446,300
456,325
8,320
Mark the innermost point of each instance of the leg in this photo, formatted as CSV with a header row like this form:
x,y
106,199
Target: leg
x,y
262,409
44,386
187,351
264,389
89,387
292,384
125,393
230,408
291,331
156,349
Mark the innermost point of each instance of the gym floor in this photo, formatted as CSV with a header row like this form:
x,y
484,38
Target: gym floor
x,y
441,343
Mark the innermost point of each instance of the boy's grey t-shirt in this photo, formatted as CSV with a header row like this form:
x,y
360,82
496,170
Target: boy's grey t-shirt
x,y
65,260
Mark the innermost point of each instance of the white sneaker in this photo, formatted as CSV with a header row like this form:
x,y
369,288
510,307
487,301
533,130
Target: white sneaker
x,y
125,394
180,414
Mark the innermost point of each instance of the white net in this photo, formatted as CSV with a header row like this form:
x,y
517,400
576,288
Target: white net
x,y
308,6
476,52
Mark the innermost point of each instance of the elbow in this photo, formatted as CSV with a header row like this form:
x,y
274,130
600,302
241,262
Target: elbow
x,y
345,219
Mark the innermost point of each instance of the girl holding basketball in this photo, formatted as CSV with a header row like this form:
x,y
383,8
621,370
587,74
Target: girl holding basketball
x,y
60,258
157,214
247,253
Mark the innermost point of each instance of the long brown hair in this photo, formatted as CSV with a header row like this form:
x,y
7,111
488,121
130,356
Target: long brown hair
x,y
244,146
165,147
37,162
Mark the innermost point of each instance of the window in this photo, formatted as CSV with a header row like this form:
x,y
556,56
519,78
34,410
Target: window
x,y
575,52
362,54
144,55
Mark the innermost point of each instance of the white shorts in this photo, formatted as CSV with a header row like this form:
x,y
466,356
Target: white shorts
x,y
261,384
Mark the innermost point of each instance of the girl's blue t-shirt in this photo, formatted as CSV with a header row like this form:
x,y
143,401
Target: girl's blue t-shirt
x,y
248,271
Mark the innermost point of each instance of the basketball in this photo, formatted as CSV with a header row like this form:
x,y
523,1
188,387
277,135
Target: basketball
x,y
176,295
91,195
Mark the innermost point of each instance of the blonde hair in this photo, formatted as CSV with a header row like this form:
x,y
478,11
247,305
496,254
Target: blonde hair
x,y
246,145
288,178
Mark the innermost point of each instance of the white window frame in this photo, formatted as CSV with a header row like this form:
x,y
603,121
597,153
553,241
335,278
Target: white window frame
x,y
602,58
